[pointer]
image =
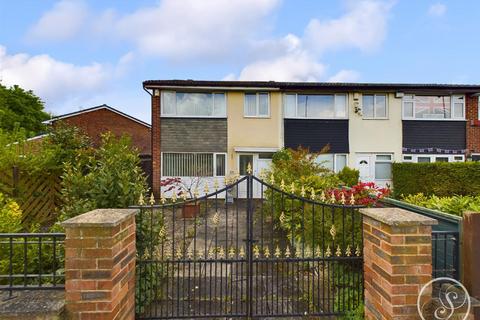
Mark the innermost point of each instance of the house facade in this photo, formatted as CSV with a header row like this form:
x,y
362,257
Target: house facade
x,y
216,128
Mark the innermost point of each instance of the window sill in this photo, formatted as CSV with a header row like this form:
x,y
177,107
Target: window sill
x,y
422,119
257,117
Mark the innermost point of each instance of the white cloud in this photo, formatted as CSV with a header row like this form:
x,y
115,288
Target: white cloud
x,y
62,22
363,26
294,66
437,10
191,28
345,76
52,80
293,58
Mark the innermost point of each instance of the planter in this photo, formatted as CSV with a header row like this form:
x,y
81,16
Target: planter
x,y
190,210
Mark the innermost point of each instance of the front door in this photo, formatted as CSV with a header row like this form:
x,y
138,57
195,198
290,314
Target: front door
x,y
366,167
260,163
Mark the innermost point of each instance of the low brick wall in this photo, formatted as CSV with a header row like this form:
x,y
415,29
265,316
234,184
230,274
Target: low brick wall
x,y
397,261
100,265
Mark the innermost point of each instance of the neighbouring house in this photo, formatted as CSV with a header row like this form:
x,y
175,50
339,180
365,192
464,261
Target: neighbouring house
x,y
221,126
100,119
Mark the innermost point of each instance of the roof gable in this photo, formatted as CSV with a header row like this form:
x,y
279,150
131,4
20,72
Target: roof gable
x,y
93,109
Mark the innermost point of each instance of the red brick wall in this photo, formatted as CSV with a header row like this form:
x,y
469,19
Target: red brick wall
x,y
473,125
397,263
96,122
156,136
100,265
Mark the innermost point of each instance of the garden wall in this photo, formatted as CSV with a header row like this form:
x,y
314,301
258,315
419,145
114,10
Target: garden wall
x,y
440,178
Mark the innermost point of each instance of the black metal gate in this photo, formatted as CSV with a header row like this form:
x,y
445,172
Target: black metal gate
x,y
290,252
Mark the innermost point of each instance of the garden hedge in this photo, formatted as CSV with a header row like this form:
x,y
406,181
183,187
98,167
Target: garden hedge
x,y
439,178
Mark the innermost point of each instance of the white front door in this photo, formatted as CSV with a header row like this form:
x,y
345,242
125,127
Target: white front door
x,y
259,165
366,166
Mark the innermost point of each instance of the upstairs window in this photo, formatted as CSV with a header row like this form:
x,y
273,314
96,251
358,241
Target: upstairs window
x,y
187,104
257,105
434,107
374,106
316,106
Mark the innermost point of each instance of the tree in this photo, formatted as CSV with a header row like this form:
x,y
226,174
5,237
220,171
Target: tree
x,y
21,109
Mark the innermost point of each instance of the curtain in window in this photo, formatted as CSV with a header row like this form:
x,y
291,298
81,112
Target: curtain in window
x,y
250,104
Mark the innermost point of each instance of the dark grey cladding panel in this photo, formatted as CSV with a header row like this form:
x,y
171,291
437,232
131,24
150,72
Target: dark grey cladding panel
x,y
193,135
434,134
316,134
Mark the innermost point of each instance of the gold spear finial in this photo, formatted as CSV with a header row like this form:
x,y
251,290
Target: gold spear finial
x,y
287,252
231,253
332,197
328,253
338,253
249,168
302,192
348,251
266,252
184,195
272,179
312,193
292,187
152,199
277,253
358,253
282,185
352,200
241,253
205,189
141,200
342,199
163,200
322,197
215,184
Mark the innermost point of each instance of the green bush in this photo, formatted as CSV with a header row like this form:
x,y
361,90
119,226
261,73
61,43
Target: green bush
x,y
439,178
349,176
107,177
456,205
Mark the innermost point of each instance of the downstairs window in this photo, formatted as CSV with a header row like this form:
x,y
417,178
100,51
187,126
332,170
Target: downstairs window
x,y
193,164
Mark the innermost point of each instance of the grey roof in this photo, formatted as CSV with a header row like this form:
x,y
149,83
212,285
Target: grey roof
x,y
334,86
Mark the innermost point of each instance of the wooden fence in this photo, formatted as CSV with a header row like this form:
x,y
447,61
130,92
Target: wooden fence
x,y
37,194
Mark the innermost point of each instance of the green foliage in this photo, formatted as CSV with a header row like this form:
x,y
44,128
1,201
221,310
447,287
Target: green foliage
x,y
357,314
149,246
64,143
303,222
348,288
439,178
456,205
21,109
10,215
349,176
107,177
300,168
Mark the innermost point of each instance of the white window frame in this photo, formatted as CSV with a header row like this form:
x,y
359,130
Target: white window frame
x,y
433,157
335,155
478,107
374,109
376,160
257,105
175,115
214,163
452,105
320,94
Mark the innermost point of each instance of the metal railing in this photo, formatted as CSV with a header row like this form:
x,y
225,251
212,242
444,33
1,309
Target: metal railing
x,y
445,253
31,261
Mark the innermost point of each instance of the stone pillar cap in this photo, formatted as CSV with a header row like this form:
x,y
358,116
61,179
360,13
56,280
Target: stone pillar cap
x,y
398,217
100,218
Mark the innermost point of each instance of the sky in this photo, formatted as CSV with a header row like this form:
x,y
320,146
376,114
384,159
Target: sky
x,y
76,54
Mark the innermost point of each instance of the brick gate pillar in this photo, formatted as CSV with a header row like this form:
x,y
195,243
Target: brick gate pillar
x,y
397,261
100,265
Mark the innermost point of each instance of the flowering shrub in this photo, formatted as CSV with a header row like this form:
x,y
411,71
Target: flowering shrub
x,y
364,193
10,215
